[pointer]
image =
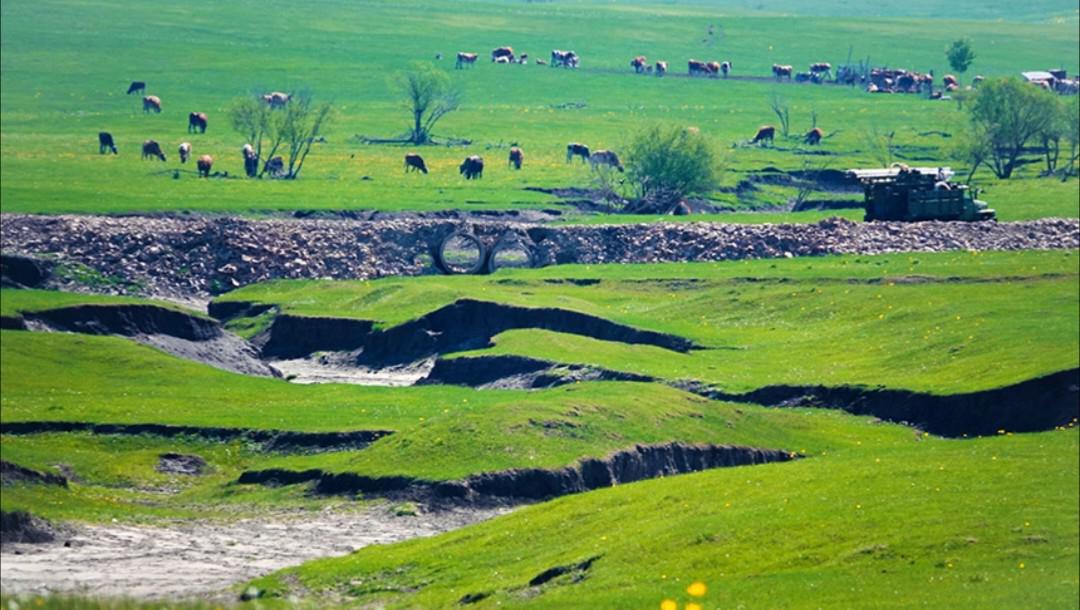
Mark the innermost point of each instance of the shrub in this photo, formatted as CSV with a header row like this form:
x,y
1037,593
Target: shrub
x,y
667,164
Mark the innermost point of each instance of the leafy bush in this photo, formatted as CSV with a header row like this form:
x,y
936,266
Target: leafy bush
x,y
666,164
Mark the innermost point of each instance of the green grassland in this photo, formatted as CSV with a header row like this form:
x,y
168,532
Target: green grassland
x,y
987,523
932,322
66,65
889,320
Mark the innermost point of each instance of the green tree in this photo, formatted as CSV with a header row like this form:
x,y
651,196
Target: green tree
x,y
960,55
667,164
292,128
429,96
1071,120
1005,115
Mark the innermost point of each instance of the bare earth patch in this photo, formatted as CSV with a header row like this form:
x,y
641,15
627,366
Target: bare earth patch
x,y
198,559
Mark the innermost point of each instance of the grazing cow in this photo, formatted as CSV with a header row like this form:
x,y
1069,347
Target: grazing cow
x,y
725,68
150,149
415,162
661,68
949,79
251,160
765,133
275,167
197,121
823,69
695,68
780,71
639,63
566,59
204,164
813,137
575,149
507,52
472,167
605,157
714,68
185,151
517,157
277,99
151,102
105,142
136,86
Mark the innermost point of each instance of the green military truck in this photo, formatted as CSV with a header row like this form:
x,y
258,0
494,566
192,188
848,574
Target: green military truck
x,y
918,193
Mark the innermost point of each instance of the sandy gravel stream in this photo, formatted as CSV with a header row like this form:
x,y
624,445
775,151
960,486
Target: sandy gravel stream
x,y
203,559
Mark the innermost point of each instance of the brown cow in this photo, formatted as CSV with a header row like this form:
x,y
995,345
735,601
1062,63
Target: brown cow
x,y
275,167
517,157
415,162
661,68
605,157
765,133
465,59
277,99
780,71
204,164
813,137
639,63
949,79
574,149
105,142
151,102
507,52
695,67
725,68
197,121
472,167
714,68
150,148
185,151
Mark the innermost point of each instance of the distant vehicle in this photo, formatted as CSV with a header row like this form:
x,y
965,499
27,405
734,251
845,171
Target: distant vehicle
x,y
918,193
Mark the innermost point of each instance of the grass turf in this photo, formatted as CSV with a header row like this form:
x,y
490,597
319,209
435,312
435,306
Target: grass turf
x,y
980,523
943,323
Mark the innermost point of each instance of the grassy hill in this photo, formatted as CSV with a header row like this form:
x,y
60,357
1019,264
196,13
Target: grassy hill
x,y
933,322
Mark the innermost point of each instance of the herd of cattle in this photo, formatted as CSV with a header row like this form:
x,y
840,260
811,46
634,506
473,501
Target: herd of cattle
x,y
874,80
473,165
197,123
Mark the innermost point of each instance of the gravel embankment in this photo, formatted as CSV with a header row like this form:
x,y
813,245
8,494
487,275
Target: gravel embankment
x,y
186,257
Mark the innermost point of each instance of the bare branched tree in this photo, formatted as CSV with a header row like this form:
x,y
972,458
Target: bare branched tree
x,y
783,113
291,128
429,96
879,145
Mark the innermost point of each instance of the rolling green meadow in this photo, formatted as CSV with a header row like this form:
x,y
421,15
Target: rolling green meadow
x,y
66,66
868,514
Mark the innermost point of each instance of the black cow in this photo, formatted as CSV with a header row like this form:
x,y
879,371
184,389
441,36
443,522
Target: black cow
x,y
105,143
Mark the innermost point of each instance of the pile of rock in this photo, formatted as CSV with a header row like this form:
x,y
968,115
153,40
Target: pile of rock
x,y
199,255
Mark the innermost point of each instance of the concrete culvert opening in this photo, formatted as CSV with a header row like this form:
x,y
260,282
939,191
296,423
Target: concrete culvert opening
x,y
460,253
511,254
